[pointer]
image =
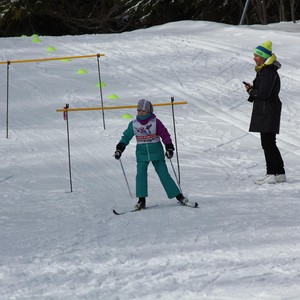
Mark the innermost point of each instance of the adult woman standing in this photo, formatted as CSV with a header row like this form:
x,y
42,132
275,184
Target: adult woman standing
x,y
266,113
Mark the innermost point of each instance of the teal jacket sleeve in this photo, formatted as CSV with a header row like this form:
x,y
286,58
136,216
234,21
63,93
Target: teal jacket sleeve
x,y
127,134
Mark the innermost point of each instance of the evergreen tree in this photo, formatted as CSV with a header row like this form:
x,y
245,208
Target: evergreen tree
x,y
59,17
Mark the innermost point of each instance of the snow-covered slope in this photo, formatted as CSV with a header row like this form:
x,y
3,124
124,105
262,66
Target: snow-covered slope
x,y
244,240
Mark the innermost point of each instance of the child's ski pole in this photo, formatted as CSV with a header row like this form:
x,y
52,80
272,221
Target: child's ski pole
x,y
175,175
125,178
175,136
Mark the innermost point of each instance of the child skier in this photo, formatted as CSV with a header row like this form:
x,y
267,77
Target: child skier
x,y
148,131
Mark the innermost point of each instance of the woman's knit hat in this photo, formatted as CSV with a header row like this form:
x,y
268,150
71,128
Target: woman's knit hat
x,y
145,105
264,50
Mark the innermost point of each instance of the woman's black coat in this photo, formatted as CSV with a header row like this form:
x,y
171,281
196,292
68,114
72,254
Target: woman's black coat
x,y
266,103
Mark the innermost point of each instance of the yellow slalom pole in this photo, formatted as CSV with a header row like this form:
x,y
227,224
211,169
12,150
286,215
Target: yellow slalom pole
x,y
116,107
49,59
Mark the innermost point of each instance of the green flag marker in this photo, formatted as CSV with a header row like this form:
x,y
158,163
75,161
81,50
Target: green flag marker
x,y
35,35
51,49
82,71
36,40
102,84
113,96
127,116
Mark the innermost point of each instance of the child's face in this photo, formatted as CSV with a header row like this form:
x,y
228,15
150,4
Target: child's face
x,y
142,112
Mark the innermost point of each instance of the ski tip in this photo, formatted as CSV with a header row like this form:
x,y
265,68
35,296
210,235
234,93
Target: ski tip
x,y
116,213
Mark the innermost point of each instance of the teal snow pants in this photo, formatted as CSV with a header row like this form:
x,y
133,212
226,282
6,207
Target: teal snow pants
x,y
161,169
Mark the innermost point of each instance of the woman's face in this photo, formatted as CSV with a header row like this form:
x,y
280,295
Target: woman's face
x,y
258,60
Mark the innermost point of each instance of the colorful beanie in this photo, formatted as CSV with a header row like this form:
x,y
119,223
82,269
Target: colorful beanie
x,y
145,105
264,50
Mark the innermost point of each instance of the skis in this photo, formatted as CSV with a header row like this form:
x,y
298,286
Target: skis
x,y
189,204
133,210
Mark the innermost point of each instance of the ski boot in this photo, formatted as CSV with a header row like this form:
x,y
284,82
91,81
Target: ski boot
x,y
141,204
186,202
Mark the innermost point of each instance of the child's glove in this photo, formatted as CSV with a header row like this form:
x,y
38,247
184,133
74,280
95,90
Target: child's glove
x,y
119,149
169,154
169,151
118,154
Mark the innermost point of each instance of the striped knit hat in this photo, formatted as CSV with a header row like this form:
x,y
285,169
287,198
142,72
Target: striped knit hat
x,y
264,50
145,105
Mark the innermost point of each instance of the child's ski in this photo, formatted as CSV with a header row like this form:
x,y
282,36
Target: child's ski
x,y
133,210
188,204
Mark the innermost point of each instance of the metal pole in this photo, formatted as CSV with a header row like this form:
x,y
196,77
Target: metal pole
x,y
66,117
7,96
100,88
175,137
176,176
244,12
125,178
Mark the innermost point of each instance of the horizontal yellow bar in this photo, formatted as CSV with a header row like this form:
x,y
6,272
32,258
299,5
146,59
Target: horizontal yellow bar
x,y
49,58
115,107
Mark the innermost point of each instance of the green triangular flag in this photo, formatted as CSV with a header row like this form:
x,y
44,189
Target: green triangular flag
x,y
127,116
51,49
82,71
102,84
113,96
36,40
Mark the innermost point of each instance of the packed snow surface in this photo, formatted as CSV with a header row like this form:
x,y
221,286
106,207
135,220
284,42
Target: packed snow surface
x,y
243,242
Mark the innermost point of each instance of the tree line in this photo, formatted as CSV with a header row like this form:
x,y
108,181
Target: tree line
x,y
73,17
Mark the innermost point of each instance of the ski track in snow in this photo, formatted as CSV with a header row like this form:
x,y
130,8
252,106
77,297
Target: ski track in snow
x,y
242,242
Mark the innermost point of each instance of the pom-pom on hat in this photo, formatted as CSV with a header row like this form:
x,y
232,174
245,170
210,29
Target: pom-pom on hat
x,y
264,50
145,105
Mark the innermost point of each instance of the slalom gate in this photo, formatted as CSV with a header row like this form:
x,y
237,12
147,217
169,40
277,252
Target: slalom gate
x,y
9,62
67,109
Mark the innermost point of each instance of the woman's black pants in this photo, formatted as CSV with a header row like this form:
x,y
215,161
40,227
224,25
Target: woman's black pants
x,y
273,157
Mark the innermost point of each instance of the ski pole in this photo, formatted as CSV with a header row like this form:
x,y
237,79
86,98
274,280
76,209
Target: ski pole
x,y
175,136
125,178
175,175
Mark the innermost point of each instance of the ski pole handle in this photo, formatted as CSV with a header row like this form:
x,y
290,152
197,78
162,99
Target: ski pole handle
x,y
66,112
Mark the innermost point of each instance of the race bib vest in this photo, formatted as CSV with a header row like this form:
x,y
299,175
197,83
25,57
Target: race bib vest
x,y
145,133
